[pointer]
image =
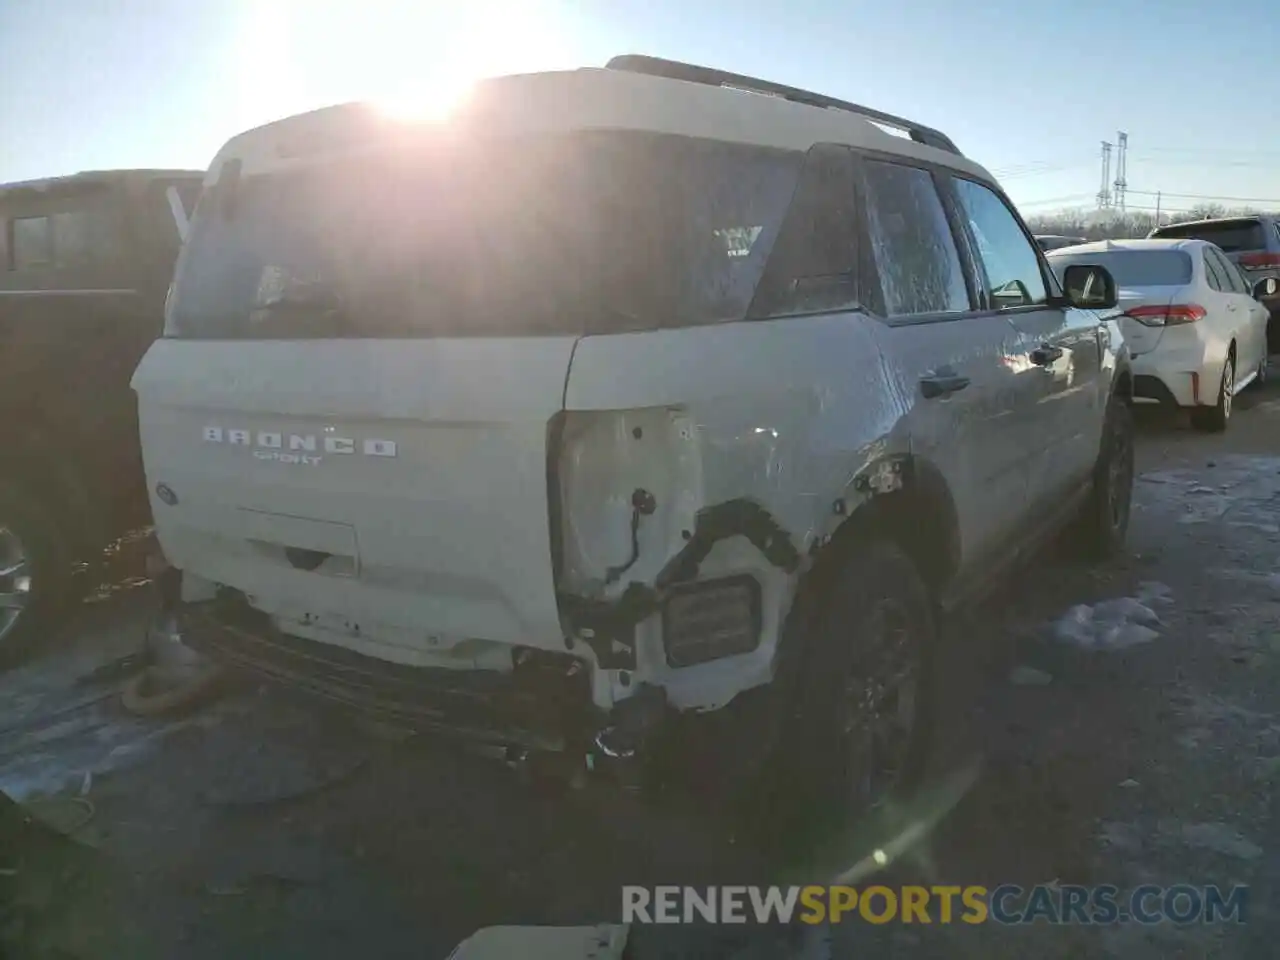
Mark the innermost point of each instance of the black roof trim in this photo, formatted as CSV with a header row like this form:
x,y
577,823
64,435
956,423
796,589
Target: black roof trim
x,y
675,70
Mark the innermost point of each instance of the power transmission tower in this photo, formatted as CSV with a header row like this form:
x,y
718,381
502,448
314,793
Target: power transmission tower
x,y
1104,191
1122,148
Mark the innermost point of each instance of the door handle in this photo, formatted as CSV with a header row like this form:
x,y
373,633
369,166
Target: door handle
x,y
1045,354
942,384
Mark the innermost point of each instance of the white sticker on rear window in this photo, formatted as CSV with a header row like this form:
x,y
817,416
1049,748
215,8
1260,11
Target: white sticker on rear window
x,y
271,285
738,241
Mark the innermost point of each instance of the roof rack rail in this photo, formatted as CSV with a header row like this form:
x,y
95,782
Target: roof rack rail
x,y
675,70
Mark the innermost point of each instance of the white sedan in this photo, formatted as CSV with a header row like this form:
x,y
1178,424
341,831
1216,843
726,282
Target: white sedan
x,y
1194,325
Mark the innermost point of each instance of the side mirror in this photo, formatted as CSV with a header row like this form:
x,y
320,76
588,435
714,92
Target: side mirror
x,y
1089,287
1266,288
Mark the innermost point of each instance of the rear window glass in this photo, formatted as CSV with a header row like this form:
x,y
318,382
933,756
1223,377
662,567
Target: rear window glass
x,y
599,231
1135,268
1231,235
30,243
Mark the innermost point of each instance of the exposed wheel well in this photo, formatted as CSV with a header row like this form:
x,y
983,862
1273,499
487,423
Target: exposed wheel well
x,y
920,517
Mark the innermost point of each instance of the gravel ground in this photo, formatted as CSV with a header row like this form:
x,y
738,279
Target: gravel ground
x,y
261,827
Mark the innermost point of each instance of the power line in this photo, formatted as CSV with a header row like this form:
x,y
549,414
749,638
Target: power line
x,y
1035,168
1205,196
1191,161
1044,171
1072,198
1212,151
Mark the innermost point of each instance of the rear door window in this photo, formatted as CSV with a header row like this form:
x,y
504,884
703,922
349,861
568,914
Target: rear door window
x,y
1011,261
911,240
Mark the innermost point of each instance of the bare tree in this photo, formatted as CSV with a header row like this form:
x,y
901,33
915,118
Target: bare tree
x,y
1105,225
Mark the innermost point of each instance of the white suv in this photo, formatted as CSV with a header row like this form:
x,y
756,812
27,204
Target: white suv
x,y
625,400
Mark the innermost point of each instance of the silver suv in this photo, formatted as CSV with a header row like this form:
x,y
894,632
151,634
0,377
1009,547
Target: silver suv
x,y
1251,243
630,406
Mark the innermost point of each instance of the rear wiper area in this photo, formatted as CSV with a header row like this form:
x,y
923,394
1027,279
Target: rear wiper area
x,y
311,313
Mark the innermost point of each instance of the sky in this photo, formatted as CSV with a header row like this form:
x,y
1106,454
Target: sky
x,y
1028,88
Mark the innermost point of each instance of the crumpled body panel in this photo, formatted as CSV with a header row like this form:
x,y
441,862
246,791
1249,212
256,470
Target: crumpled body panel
x,y
782,415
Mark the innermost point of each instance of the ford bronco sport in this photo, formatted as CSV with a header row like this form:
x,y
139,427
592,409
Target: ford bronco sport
x,y
85,262
625,401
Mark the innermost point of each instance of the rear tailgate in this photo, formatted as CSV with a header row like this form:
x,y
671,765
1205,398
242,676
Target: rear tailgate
x,y
392,483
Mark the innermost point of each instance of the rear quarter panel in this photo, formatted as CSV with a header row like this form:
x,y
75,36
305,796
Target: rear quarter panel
x,y
784,413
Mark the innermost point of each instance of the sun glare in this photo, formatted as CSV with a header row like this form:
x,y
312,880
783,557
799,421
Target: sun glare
x,y
433,105
412,61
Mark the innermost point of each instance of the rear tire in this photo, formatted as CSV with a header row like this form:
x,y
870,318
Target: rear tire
x,y
860,726
1215,419
1104,521
35,572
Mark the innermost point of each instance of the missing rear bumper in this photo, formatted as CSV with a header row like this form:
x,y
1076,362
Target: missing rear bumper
x,y
539,711
544,704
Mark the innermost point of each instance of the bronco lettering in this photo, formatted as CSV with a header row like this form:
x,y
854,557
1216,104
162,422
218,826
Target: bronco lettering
x,y
269,444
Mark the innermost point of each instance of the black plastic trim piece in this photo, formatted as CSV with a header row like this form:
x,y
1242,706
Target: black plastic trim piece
x,y
692,73
731,519
610,626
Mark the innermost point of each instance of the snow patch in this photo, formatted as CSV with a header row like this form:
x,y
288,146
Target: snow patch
x,y
1216,837
1114,624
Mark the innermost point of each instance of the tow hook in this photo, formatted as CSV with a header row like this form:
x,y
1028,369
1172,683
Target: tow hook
x,y
618,749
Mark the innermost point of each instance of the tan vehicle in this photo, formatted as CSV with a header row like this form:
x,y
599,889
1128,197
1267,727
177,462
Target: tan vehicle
x,y
85,262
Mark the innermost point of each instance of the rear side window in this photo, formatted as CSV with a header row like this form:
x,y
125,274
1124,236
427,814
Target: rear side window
x,y
1235,283
1135,268
813,267
77,236
912,243
588,232
30,243
1232,236
1011,262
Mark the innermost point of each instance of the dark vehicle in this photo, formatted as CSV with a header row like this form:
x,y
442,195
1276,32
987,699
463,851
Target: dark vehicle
x,y
1251,243
85,264
1049,241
